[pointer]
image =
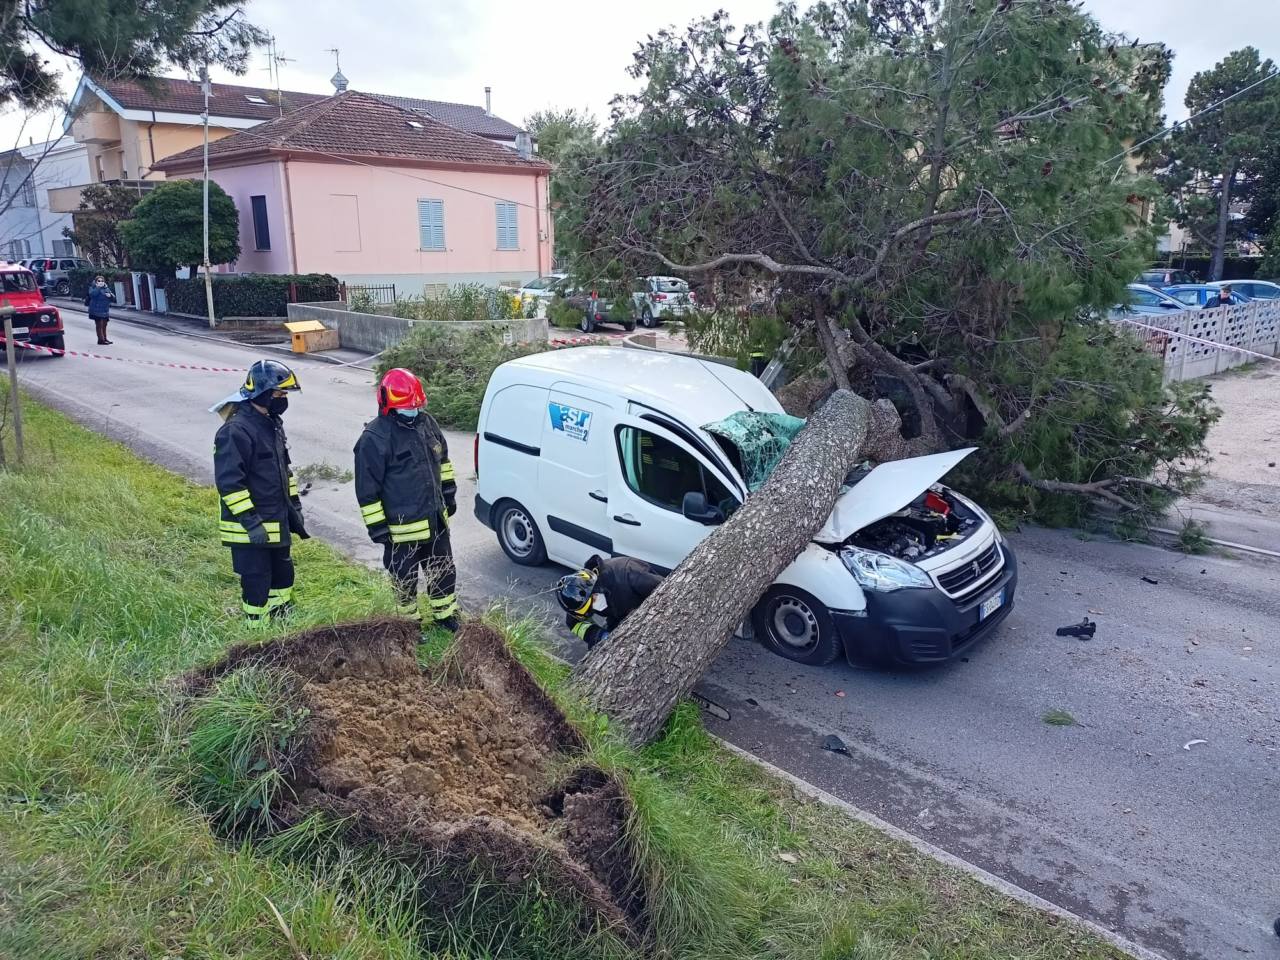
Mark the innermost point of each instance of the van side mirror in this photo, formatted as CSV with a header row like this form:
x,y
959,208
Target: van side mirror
x,y
696,508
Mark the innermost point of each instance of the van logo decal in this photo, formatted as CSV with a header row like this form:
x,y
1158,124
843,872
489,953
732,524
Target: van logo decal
x,y
571,421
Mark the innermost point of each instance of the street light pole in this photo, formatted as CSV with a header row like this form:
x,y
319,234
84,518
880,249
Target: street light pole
x,y
208,278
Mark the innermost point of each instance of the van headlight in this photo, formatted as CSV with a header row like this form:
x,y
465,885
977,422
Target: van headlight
x,y
881,572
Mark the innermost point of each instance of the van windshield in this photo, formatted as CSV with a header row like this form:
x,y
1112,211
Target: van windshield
x,y
755,442
18,281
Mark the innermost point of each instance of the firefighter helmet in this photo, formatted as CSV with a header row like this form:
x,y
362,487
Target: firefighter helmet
x,y
574,591
400,390
266,376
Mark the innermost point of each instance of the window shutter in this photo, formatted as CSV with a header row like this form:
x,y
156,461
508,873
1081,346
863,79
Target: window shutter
x,y
508,226
431,224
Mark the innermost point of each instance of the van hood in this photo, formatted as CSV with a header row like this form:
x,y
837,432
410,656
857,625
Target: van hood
x,y
885,490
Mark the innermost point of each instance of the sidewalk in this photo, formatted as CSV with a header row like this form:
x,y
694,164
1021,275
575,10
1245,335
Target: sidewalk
x,y
1229,529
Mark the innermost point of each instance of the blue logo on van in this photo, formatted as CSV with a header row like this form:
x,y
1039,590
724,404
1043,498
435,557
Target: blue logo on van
x,y
570,420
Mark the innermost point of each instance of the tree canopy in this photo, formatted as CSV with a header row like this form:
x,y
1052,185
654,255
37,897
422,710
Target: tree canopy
x,y
165,230
116,38
937,194
96,230
1225,154
558,131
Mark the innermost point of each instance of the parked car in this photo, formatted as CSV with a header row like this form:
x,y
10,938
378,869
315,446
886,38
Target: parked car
x,y
602,451
654,299
1159,278
1253,289
1198,294
543,288
595,309
34,321
56,278
1144,300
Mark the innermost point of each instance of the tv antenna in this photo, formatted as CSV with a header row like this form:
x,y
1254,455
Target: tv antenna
x,y
274,61
338,80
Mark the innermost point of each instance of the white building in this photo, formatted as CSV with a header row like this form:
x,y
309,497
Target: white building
x,y
28,227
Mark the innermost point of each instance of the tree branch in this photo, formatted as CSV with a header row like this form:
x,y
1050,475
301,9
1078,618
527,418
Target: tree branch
x,y
759,259
1101,488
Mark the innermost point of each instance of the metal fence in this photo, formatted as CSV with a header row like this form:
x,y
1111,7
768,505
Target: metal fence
x,y
1199,343
380,295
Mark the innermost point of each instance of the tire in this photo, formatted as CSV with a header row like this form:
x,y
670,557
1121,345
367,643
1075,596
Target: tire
x,y
586,324
795,625
54,343
646,319
518,534
63,288
629,326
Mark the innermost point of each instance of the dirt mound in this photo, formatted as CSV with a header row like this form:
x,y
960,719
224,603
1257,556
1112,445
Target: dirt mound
x,y
468,766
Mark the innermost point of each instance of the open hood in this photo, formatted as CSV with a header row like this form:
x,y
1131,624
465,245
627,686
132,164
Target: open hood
x,y
885,490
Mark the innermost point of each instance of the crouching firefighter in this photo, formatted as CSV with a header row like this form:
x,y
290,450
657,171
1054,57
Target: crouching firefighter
x,y
407,492
258,491
601,595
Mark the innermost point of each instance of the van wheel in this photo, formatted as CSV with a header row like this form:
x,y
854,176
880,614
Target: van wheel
x,y
793,624
55,343
518,535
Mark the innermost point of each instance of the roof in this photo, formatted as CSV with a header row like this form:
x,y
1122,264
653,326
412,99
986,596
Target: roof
x,y
353,124
176,95
695,391
464,116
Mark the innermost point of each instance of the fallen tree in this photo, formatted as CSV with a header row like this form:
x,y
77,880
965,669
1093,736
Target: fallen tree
x,y
655,658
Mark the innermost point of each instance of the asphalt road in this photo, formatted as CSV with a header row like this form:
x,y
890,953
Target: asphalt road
x,y
1119,816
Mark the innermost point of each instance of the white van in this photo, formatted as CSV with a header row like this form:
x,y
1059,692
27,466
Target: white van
x,y
601,450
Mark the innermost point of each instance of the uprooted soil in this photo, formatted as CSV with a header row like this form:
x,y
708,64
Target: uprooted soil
x,y
467,768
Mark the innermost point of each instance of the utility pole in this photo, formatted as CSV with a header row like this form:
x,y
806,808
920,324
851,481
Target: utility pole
x,y
8,312
208,277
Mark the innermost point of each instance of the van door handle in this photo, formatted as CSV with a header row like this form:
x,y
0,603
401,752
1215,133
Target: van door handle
x,y
597,495
628,520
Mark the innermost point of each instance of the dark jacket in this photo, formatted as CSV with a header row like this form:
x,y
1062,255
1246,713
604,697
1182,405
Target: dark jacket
x,y
625,583
255,483
99,300
404,481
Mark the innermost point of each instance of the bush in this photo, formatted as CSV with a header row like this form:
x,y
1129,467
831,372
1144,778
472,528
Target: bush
x,y
463,301
454,368
725,333
251,295
80,279
562,315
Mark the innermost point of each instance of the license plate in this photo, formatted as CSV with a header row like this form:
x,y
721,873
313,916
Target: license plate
x,y
991,605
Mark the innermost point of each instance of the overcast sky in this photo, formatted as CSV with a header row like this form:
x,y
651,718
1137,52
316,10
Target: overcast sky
x,y
574,53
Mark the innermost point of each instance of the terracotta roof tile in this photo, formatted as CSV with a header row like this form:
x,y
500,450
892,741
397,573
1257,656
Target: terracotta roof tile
x,y
353,124
172,95
464,116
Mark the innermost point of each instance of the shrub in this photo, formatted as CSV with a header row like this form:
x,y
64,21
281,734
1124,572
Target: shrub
x,y
563,315
80,279
454,368
250,295
463,301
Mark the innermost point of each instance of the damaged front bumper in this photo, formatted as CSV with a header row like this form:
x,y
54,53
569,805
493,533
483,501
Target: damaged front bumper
x,y
907,627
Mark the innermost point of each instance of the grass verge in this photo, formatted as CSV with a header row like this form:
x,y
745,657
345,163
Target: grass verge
x,y
114,584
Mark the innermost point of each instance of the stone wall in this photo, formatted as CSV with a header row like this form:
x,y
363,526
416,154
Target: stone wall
x,y
374,333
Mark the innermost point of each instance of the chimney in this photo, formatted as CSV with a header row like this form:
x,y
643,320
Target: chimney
x,y
488,101
339,82
524,145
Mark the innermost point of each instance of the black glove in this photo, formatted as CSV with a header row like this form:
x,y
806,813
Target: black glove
x,y
295,523
450,508
257,535
380,535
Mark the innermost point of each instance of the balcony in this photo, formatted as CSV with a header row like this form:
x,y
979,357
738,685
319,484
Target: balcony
x,y
96,126
67,199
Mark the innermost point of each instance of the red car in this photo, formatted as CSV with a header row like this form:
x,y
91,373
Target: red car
x,y
34,321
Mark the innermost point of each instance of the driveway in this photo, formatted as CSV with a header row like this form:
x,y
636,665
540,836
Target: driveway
x,y
1119,816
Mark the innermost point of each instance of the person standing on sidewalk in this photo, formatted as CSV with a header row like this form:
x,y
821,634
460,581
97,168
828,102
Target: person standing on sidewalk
x,y
99,300
258,491
407,492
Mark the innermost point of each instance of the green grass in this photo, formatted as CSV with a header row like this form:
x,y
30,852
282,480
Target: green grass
x,y
114,584
1058,718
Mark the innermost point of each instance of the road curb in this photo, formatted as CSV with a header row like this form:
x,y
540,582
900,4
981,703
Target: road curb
x,y
984,877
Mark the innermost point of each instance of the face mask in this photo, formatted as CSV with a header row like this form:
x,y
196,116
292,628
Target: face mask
x,y
598,602
409,414
99,283
278,405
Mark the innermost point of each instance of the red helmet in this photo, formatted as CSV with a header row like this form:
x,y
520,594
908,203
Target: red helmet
x,y
400,390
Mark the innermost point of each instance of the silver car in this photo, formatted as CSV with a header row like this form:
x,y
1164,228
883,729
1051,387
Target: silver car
x,y
654,299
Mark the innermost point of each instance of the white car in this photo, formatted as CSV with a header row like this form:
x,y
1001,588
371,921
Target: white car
x,y
542,290
654,299
1253,289
605,451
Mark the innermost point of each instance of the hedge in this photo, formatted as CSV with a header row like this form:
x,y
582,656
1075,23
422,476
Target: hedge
x,y
251,295
1233,268
80,279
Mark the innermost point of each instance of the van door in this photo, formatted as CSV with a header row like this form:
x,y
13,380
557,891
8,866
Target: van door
x,y
651,469
572,476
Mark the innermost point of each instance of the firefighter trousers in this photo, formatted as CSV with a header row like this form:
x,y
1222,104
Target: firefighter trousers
x,y
435,558
266,580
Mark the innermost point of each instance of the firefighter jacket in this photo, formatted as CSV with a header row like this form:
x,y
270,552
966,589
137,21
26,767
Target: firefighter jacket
x,y
625,583
255,483
404,480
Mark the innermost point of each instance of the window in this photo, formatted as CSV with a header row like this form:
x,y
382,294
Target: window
x,y
1187,296
18,281
254,98
415,125
1144,298
670,285
508,226
663,472
261,229
27,196
67,265
63,248
431,224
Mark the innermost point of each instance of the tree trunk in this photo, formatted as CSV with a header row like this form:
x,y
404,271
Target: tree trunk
x,y
662,649
1224,218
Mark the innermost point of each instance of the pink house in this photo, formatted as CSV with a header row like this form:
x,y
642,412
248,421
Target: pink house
x,y
374,194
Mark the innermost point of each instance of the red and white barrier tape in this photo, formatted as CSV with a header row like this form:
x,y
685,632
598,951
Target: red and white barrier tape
x,y
1199,340
40,348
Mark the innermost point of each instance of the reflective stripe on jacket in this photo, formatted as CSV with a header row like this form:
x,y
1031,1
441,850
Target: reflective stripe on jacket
x,y
252,474
404,479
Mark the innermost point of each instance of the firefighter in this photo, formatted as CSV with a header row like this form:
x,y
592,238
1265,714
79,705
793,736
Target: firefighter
x,y
259,493
601,595
407,492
